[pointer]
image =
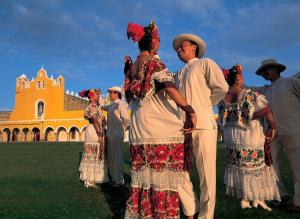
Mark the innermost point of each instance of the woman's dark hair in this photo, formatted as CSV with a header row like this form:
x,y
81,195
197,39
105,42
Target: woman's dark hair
x,y
197,48
120,96
232,76
145,44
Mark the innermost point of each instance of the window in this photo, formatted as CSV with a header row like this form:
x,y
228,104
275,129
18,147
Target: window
x,y
59,82
38,85
44,84
40,109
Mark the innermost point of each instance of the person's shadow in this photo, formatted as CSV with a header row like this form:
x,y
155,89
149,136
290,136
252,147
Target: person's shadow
x,y
116,198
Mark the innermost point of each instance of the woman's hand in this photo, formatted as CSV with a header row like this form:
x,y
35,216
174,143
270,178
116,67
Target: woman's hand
x,y
191,123
127,60
270,134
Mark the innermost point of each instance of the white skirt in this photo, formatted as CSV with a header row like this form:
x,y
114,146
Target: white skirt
x,y
93,167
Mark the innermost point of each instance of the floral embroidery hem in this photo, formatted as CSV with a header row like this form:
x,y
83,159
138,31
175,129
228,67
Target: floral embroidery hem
x,y
150,203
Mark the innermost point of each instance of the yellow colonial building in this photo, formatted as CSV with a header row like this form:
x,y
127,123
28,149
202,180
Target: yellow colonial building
x,y
43,111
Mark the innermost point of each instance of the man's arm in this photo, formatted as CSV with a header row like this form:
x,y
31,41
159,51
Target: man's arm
x,y
216,82
295,86
124,114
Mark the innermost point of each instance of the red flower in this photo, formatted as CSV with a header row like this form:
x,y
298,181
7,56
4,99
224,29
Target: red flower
x,y
160,201
254,154
137,157
82,93
162,152
178,152
135,32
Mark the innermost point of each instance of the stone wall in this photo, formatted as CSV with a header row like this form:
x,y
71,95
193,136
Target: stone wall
x,y
4,115
74,103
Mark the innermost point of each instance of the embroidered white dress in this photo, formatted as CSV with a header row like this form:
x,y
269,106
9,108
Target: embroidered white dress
x,y
246,174
93,167
156,145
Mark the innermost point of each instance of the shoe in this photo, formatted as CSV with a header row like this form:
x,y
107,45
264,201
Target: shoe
x,y
245,204
262,204
283,204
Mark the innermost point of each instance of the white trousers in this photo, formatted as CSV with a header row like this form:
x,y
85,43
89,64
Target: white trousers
x,y
115,159
291,144
205,152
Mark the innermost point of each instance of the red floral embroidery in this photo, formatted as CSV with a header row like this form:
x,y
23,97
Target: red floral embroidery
x,y
158,157
149,203
139,85
138,160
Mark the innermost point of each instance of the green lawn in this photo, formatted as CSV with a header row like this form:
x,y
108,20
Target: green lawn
x,y
41,180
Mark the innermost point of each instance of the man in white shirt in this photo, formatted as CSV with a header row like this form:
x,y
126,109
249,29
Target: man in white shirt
x,y
283,95
117,122
202,84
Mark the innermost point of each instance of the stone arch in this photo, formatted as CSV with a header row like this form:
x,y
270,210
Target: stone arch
x,y
36,134
50,134
25,134
74,134
83,133
62,134
6,135
15,134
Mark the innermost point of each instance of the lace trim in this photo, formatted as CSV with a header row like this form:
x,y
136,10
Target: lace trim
x,y
149,178
163,140
257,184
93,171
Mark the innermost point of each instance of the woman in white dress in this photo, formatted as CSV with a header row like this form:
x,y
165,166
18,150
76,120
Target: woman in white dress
x,y
93,167
156,137
249,174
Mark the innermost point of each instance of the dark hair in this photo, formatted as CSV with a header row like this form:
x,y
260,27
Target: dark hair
x,y
145,44
119,95
197,47
231,78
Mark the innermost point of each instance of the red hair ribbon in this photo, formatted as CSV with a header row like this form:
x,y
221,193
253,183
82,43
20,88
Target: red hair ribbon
x,y
225,73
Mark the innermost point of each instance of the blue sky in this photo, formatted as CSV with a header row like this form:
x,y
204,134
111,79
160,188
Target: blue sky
x,y
85,41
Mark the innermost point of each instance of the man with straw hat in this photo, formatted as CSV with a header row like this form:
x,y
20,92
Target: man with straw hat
x,y
117,123
202,84
283,95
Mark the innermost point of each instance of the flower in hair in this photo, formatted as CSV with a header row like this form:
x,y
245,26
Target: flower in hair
x,y
83,93
239,68
135,32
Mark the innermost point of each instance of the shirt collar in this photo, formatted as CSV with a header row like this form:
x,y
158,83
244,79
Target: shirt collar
x,y
192,60
116,101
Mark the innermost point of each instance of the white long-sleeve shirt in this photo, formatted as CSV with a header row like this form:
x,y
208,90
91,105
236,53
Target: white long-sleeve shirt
x,y
284,99
117,118
202,84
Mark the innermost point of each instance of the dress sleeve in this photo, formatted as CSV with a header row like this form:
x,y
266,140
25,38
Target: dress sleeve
x,y
260,101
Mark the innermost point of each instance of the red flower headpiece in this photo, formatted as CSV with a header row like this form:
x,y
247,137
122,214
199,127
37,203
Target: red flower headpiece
x,y
89,93
135,32
237,68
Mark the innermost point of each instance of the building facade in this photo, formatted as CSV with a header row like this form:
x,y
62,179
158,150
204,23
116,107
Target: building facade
x,y
43,111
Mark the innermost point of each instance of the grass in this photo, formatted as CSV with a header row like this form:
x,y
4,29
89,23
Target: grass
x,y
41,180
